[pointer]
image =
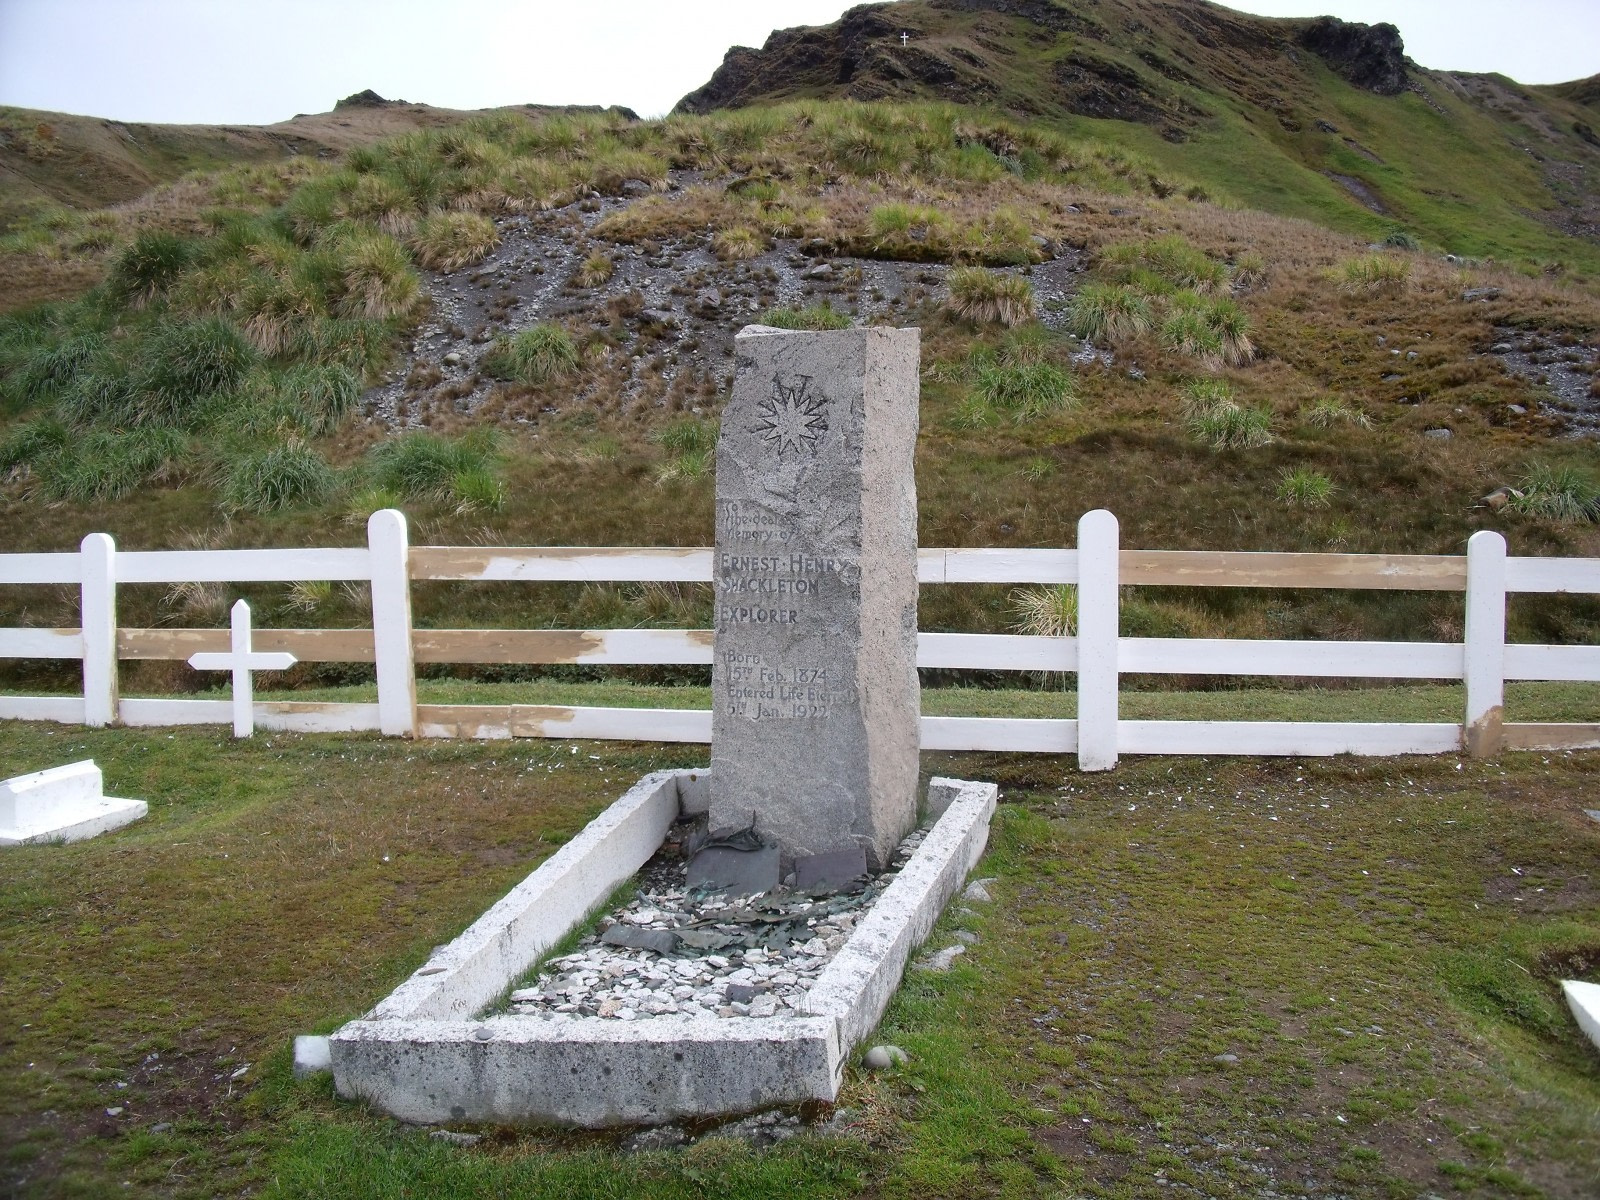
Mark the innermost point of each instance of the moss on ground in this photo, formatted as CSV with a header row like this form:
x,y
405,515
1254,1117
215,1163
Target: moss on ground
x,y
1377,943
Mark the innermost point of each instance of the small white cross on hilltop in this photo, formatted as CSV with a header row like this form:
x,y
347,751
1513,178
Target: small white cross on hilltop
x,y
904,37
241,660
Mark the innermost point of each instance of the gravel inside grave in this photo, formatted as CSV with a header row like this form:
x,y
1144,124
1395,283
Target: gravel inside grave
x,y
750,956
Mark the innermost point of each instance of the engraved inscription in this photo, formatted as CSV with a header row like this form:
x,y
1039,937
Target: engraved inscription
x,y
758,688
794,419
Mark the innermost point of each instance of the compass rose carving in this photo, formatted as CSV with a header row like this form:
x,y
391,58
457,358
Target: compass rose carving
x,y
794,420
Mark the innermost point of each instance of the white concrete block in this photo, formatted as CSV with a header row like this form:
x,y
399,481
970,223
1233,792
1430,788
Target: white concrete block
x,y
1584,1001
65,804
311,1055
585,1071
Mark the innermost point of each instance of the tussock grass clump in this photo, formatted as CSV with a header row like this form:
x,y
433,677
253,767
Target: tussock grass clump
x,y
188,362
1233,426
594,270
692,445
1215,331
1215,416
1301,487
106,464
891,224
987,298
687,467
1374,273
1202,395
687,436
1249,271
1109,313
378,280
149,266
425,466
1558,494
738,243
33,442
1171,260
290,475
318,396
818,316
475,490
1186,331
534,356
1050,611
447,241
1025,389
1328,412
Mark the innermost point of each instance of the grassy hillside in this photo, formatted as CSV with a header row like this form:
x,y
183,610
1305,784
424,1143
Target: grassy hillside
x,y
1262,112
1219,378
519,328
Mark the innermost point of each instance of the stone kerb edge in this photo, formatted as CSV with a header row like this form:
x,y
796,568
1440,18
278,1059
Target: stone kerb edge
x,y
856,987
587,1071
424,1067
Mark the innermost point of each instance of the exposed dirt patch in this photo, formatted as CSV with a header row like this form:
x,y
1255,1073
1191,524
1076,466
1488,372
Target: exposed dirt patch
x,y
662,326
1360,190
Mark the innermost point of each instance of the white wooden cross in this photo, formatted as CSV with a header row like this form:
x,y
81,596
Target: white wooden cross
x,y
904,37
241,660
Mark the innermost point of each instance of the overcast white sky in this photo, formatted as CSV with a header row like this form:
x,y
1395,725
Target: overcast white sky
x,y
259,61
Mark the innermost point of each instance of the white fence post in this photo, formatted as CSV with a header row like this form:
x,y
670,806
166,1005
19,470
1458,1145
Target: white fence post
x,y
98,617
1098,574
390,547
1482,735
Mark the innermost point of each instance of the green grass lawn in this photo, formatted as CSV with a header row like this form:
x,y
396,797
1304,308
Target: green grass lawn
x,y
1376,942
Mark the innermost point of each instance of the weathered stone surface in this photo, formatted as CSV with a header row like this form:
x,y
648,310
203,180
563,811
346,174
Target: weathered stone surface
x,y
662,941
815,726
737,872
831,871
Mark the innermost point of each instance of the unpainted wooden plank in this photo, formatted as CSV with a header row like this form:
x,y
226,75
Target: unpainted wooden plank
x,y
1227,568
1549,735
563,563
307,645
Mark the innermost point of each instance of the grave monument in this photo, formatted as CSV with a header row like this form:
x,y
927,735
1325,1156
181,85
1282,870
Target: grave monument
x,y
815,737
814,728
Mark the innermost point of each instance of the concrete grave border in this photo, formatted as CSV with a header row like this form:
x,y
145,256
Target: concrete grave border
x,y
421,1055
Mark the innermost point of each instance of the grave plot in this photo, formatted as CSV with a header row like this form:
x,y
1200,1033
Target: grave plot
x,y
696,950
429,1053
812,785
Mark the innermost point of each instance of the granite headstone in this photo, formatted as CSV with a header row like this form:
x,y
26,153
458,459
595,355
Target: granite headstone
x,y
815,726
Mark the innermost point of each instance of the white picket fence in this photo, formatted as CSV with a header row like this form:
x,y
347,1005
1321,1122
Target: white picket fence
x,y
1098,567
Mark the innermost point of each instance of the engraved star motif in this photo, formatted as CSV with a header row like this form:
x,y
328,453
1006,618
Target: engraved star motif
x,y
794,419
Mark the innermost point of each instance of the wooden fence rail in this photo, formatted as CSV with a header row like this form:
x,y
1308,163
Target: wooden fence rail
x,y
1098,568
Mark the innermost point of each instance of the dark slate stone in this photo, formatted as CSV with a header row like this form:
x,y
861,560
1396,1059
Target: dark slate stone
x,y
662,941
742,993
831,871
738,872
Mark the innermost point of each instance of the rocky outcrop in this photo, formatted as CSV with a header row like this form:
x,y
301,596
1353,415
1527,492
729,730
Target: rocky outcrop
x,y
367,98
1369,56
807,57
